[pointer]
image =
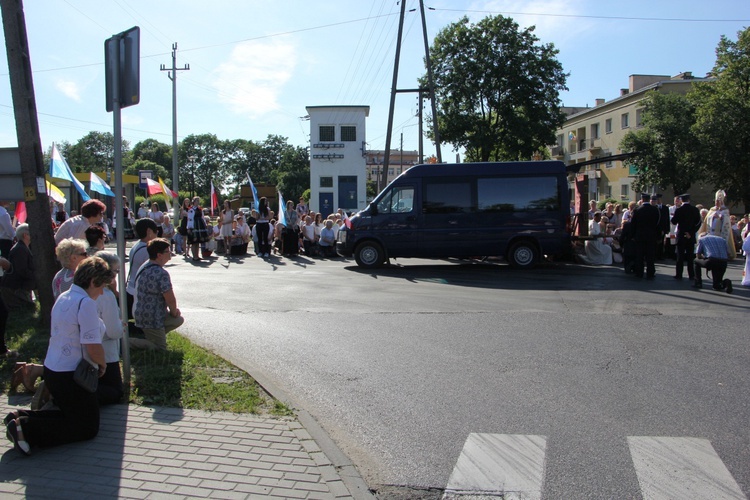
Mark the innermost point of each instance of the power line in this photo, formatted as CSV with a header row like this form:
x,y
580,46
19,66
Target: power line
x,y
618,18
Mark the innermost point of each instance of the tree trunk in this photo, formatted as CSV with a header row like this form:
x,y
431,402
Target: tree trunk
x,y
30,152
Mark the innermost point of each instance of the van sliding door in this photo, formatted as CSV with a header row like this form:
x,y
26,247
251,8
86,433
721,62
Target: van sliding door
x,y
449,218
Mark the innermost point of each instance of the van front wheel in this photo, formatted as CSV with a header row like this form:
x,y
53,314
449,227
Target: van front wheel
x,y
369,255
522,255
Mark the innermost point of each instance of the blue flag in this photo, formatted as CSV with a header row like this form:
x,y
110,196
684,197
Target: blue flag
x,y
282,210
97,184
59,169
255,192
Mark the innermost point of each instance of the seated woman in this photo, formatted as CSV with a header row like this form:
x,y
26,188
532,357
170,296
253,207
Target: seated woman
x,y
597,251
20,280
76,334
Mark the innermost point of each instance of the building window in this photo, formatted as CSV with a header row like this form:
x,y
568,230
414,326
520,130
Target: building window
x,y
327,133
625,120
608,126
624,192
326,182
348,133
608,163
639,118
390,171
560,140
594,130
608,190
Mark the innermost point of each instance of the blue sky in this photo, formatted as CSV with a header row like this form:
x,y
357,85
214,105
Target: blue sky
x,y
255,65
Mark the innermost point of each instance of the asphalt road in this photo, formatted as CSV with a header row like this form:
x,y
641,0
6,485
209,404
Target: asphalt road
x,y
400,366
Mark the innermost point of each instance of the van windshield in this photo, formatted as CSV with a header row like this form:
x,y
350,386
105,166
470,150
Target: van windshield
x,y
399,200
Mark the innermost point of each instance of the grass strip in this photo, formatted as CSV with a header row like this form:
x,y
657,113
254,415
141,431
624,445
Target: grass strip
x,y
186,376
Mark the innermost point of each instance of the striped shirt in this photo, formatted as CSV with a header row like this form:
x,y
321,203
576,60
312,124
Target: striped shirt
x,y
713,247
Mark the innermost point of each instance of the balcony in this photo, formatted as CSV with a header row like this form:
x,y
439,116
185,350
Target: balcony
x,y
595,145
557,152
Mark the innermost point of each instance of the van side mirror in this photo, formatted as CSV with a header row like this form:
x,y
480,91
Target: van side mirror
x,y
373,209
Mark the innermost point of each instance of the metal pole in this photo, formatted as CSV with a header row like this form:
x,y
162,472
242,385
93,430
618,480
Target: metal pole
x,y
119,212
421,133
389,132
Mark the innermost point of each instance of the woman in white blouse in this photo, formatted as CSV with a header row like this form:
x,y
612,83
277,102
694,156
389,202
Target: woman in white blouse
x,y
76,333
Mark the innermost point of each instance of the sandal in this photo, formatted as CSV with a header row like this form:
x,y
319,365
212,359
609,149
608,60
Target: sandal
x,y
14,433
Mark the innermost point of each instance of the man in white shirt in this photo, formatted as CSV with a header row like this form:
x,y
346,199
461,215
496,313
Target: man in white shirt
x,y
7,233
145,229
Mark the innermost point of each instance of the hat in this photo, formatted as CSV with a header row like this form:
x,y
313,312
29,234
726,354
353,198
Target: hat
x,y
654,196
685,197
645,196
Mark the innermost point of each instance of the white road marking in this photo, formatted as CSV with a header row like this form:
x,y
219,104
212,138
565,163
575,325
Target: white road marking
x,y
499,464
681,467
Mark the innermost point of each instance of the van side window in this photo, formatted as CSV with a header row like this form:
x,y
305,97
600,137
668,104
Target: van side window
x,y
399,201
517,194
447,197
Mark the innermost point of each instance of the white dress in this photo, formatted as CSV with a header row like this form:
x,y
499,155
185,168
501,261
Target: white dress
x,y
226,224
598,253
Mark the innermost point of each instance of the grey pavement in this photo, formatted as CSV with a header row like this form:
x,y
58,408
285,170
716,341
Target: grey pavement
x,y
156,452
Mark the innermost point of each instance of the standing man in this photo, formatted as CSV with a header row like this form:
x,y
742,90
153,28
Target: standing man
x,y
7,233
645,222
155,308
687,218
712,254
663,224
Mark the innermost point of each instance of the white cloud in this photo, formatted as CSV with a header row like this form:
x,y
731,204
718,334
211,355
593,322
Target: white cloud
x,y
252,79
69,88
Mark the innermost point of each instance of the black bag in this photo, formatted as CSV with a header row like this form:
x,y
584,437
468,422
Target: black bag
x,y
87,376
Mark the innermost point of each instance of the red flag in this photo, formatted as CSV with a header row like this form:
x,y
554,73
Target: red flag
x,y
214,199
347,221
153,187
20,212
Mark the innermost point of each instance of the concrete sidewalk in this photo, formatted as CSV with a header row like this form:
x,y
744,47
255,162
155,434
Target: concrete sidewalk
x,y
144,452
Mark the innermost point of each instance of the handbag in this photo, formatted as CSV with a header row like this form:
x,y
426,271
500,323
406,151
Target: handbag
x,y
87,376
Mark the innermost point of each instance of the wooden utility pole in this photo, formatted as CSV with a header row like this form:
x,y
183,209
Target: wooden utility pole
x,y
175,163
30,152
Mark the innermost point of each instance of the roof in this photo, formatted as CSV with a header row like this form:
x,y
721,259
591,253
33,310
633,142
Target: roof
x,y
339,107
509,168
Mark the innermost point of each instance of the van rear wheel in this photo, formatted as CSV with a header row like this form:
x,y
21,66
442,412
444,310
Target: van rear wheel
x,y
523,255
369,255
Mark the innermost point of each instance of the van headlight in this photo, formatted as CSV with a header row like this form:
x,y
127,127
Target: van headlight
x,y
342,236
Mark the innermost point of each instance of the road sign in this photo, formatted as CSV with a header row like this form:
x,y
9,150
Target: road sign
x,y
142,176
122,54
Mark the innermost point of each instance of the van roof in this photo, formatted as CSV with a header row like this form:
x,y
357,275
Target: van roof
x,y
510,168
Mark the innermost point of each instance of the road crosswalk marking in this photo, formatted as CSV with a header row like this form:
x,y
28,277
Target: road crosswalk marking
x,y
681,467
513,466
499,464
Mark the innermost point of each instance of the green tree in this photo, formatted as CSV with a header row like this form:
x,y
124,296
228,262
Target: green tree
x,y
94,152
154,151
668,151
723,118
203,160
292,177
497,89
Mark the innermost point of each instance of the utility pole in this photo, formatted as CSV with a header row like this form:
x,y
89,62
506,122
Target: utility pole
x,y
395,90
30,151
172,75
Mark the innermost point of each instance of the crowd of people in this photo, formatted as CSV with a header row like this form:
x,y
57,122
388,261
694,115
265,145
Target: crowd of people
x,y
296,231
86,327
696,237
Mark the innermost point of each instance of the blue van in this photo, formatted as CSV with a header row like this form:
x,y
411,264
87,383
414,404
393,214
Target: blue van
x,y
516,210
